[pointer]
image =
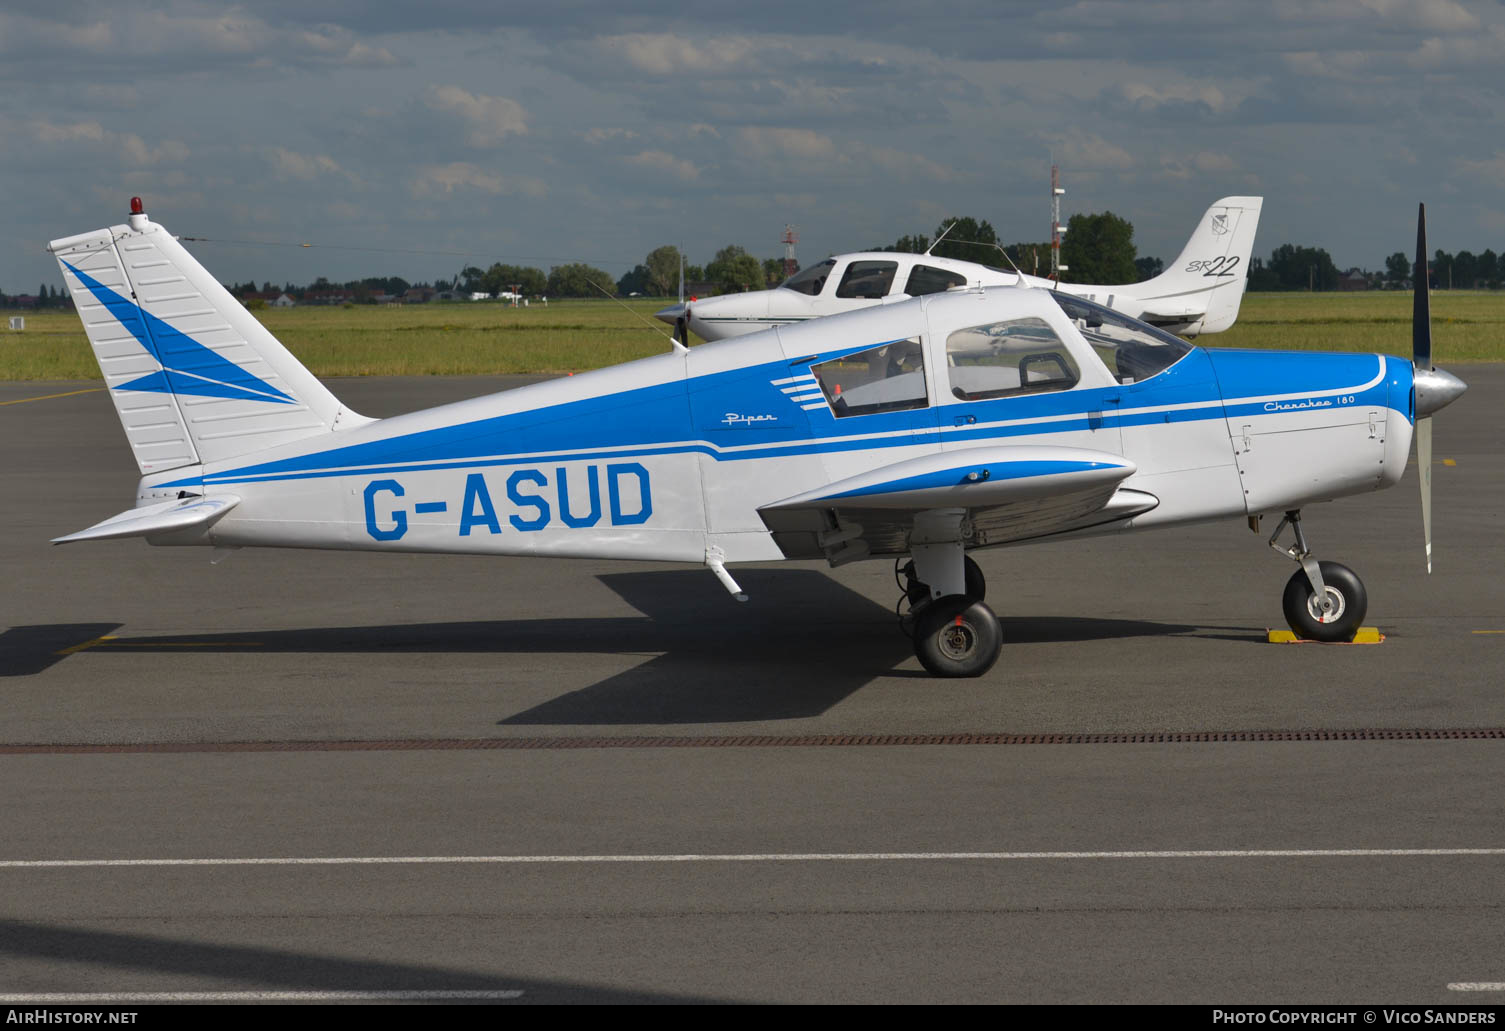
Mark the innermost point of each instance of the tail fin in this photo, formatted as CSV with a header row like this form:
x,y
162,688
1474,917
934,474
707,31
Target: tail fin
x,y
1200,292
195,378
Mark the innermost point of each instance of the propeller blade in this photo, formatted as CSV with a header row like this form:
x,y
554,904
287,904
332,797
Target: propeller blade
x,y
1421,313
682,329
1424,468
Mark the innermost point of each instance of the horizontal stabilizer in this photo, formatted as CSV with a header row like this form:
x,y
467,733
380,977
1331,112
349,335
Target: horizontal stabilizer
x,y
980,477
168,517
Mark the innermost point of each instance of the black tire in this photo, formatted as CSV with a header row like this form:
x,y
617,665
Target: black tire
x,y
956,636
919,593
1306,619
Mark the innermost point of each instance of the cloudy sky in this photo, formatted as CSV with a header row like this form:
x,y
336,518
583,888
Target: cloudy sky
x,y
585,131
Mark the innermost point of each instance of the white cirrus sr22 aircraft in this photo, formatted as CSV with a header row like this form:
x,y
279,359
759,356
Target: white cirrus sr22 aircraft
x,y
1198,293
916,431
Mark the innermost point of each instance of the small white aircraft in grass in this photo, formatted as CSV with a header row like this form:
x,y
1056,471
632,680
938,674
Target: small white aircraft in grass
x,y
927,428
1198,293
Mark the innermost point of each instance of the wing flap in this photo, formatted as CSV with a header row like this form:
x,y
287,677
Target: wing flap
x,y
151,520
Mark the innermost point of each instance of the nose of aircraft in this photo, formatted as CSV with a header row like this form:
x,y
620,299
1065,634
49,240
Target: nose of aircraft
x,y
670,314
1435,390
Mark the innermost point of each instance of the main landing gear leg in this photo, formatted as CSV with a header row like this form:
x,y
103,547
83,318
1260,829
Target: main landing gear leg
x,y
1323,601
955,634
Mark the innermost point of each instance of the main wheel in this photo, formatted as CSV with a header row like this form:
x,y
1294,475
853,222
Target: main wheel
x,y
919,593
957,636
1304,613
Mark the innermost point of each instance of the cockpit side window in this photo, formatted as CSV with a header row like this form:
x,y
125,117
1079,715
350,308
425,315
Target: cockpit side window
x,y
889,378
1132,350
1007,359
869,279
811,280
925,279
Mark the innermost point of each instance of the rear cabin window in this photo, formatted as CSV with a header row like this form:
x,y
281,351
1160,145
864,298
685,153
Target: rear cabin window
x,y
890,378
811,280
925,279
869,279
1007,359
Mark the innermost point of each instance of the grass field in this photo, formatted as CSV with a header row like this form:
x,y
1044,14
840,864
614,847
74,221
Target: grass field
x,y
571,336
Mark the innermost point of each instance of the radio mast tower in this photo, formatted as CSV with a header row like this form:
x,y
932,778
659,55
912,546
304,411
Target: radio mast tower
x,y
1056,229
789,239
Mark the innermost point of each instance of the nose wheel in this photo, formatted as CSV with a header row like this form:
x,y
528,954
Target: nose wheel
x,y
1323,601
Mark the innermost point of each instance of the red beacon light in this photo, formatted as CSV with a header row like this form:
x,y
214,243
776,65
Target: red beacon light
x,y
136,208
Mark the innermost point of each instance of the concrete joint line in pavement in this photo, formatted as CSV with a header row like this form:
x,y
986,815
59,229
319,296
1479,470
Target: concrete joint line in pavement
x,y
759,857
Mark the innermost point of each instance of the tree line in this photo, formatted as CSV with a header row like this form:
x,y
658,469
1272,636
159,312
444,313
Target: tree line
x,y
1097,248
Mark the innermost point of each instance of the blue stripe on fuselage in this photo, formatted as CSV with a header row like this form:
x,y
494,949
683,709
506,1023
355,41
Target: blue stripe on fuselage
x,y
657,420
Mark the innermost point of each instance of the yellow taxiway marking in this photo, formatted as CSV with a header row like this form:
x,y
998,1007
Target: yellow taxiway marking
x,y
1487,631
49,397
1364,635
1448,461
86,644
184,644
111,641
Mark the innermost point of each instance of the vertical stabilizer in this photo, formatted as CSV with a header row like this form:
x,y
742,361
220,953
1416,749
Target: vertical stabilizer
x,y
1205,284
194,377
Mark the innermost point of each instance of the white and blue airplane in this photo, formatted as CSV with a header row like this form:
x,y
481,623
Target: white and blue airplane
x,y
919,431
1198,293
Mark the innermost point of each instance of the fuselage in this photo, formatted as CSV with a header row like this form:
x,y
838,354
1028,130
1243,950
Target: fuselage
x,y
1198,293
849,282
674,457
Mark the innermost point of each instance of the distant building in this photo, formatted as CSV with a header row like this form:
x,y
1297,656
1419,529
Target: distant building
x,y
326,297
282,301
478,296
1352,280
419,295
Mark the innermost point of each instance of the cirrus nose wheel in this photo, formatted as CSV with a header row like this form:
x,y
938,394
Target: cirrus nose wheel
x,y
1338,621
957,636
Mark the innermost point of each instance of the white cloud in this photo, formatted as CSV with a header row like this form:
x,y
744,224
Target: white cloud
x,y
291,165
1089,152
489,119
800,144
1190,92
669,54
603,135
1427,15
1490,170
661,162
462,175
132,148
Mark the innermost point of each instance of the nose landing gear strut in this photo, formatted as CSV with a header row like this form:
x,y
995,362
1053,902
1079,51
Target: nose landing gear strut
x,y
1323,601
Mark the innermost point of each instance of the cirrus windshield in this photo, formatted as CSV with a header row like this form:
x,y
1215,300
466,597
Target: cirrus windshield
x,y
1132,350
810,280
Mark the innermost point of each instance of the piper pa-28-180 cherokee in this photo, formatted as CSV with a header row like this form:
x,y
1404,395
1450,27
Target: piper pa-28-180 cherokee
x,y
1199,293
926,428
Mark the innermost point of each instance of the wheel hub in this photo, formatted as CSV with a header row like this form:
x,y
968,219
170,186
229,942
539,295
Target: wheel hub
x,y
1314,607
958,639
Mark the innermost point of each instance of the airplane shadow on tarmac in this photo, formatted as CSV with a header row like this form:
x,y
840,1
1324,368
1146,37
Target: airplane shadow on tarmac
x,y
108,956
802,645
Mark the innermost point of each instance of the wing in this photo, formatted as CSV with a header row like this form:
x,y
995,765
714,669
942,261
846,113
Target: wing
x,y
1009,494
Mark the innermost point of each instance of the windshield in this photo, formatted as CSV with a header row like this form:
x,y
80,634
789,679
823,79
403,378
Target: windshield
x,y
811,280
1132,350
